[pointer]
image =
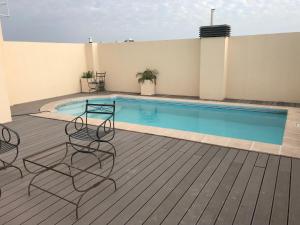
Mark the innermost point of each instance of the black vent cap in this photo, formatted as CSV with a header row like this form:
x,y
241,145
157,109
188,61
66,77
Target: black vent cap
x,y
215,31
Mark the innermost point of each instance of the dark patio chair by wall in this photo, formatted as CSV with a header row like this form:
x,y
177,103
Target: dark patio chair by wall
x,y
98,83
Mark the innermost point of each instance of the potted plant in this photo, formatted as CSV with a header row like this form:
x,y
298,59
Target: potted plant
x,y
85,79
147,80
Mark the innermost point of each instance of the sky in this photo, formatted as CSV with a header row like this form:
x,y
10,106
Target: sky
x,y
117,20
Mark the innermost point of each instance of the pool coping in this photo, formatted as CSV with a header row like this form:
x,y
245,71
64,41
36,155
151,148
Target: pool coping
x,y
291,139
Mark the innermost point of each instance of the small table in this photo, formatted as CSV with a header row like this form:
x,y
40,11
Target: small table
x,y
58,159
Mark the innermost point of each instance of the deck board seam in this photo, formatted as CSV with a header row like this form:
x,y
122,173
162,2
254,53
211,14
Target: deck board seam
x,y
127,180
199,158
265,168
245,190
202,187
138,183
115,171
54,178
182,155
91,179
166,197
212,157
274,191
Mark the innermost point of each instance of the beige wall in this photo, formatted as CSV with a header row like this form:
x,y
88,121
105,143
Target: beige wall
x,y
5,115
43,70
177,62
264,67
213,68
260,67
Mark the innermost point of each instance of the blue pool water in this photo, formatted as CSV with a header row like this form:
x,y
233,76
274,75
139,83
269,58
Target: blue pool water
x,y
256,124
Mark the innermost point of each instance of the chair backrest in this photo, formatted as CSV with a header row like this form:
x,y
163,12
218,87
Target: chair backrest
x,y
100,77
104,109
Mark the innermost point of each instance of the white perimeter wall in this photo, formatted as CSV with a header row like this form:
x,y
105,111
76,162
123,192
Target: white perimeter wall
x,y
37,71
177,62
264,67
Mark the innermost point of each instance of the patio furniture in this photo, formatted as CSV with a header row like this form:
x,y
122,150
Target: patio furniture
x,y
9,145
57,159
79,130
98,83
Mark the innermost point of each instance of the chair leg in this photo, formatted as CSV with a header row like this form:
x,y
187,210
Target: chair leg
x,y
98,147
73,154
17,169
7,165
112,147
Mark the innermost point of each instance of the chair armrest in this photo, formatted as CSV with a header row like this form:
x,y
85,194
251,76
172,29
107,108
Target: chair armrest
x,y
9,136
107,126
75,124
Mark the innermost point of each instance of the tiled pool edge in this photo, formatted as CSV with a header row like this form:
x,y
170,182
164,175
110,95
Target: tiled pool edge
x,y
291,139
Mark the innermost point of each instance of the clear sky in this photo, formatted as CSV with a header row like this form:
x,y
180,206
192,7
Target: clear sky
x,y
111,20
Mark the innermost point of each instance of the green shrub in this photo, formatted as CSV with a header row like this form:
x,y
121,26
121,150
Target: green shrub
x,y
147,75
88,74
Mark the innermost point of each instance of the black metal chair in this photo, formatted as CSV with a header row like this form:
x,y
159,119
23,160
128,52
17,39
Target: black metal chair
x,y
98,83
79,130
9,142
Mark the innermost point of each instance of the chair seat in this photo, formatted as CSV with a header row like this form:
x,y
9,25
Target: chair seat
x,y
5,147
87,134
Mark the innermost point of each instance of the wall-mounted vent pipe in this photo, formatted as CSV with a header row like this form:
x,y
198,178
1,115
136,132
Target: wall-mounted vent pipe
x,y
212,11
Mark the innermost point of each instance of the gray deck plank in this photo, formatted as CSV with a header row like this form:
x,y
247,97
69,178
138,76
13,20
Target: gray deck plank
x,y
156,178
73,195
40,145
146,210
205,169
58,210
216,202
12,188
263,210
233,200
102,201
131,165
161,184
198,206
19,202
117,164
149,185
127,154
246,209
294,207
280,208
262,160
21,184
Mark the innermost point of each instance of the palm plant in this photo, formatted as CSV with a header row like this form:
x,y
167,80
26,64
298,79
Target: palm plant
x,y
147,75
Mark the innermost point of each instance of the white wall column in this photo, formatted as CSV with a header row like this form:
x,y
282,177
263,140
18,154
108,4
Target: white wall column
x,y
213,68
5,113
92,56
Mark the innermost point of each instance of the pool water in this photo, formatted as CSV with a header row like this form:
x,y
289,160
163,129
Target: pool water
x,y
255,124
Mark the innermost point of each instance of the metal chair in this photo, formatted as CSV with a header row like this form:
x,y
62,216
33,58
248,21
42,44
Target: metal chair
x,y
9,142
98,83
79,130
100,77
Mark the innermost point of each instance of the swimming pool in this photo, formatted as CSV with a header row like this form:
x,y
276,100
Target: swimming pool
x,y
255,124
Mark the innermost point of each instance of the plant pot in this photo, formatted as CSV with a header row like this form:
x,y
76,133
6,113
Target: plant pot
x,y
147,88
84,82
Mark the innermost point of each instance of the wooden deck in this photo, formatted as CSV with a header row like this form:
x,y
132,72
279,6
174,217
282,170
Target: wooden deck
x,y
160,180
